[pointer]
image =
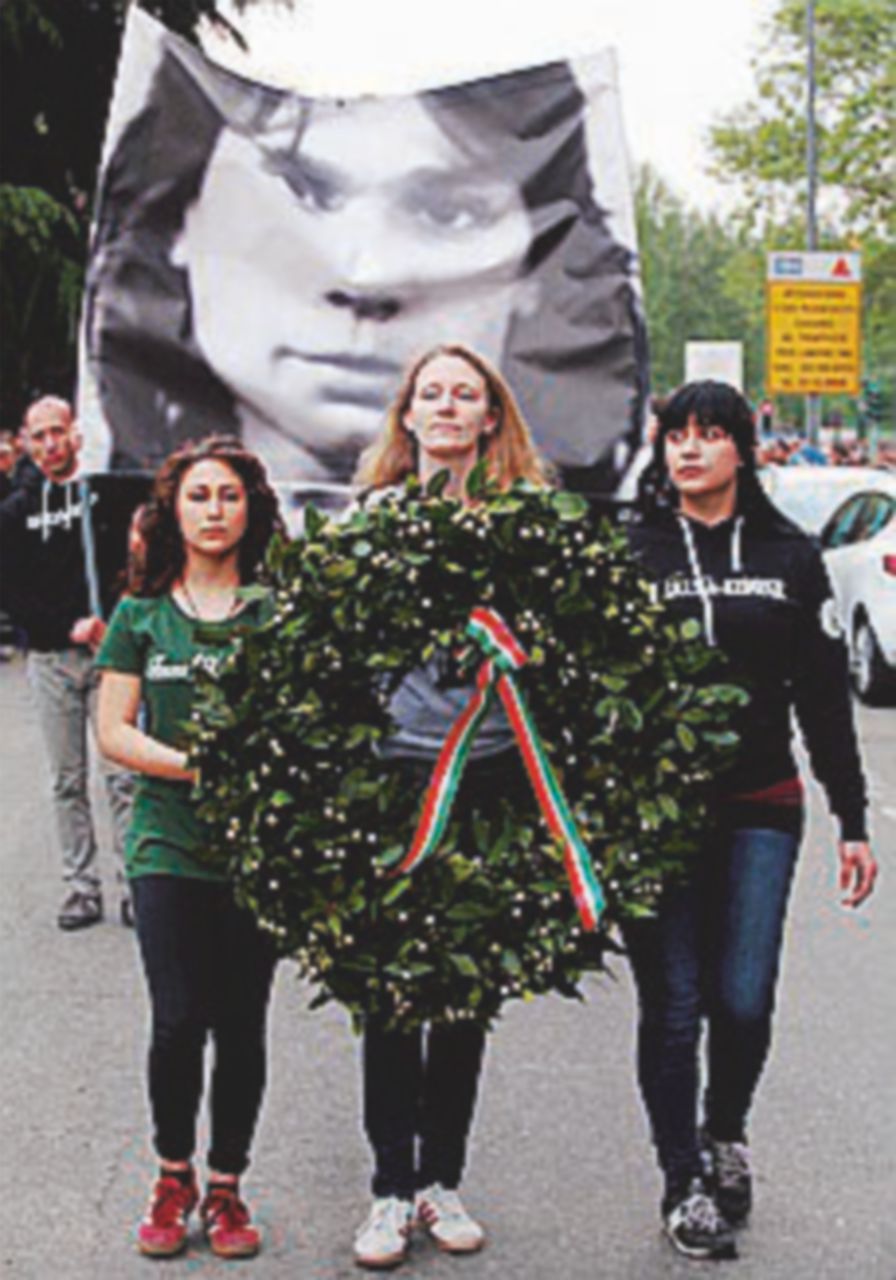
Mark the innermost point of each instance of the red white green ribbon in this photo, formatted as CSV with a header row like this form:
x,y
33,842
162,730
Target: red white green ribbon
x,y
504,655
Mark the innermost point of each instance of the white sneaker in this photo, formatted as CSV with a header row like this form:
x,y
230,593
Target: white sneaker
x,y
447,1221
383,1239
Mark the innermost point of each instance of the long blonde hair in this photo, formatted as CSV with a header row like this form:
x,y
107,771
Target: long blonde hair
x,y
509,449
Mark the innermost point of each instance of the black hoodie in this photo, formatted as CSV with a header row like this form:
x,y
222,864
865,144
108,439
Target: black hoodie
x,y
45,586
758,586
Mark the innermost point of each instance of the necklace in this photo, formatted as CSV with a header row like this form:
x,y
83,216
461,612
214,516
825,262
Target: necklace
x,y
194,608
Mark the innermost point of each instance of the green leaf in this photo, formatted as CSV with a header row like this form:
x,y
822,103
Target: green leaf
x,y
467,911
313,522
392,855
614,683
477,481
437,485
394,893
686,736
464,965
569,506
669,806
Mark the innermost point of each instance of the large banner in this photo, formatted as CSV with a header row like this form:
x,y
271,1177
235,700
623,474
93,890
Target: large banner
x,y
265,263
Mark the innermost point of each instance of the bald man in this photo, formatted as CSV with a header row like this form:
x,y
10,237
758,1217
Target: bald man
x,y
42,526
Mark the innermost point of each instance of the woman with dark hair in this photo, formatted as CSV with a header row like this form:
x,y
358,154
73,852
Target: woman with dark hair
x,y
719,552
280,260
451,409
208,966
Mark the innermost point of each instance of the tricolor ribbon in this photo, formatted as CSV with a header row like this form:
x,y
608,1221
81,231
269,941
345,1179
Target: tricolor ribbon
x,y
503,656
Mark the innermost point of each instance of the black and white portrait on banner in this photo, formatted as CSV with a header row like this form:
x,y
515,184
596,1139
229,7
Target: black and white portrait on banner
x,y
266,263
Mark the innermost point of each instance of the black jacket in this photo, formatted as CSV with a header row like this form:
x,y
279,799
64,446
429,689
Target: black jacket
x,y
758,586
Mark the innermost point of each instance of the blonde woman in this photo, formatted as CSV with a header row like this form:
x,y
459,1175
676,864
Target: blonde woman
x,y
451,410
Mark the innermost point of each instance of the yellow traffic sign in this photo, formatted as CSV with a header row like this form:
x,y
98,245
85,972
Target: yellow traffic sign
x,y
813,324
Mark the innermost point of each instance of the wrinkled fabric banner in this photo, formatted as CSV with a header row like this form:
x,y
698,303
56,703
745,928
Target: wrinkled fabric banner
x,y
266,263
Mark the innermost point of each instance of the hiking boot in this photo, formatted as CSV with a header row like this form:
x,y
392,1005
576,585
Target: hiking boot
x,y
447,1221
695,1226
384,1239
227,1224
730,1178
163,1232
79,910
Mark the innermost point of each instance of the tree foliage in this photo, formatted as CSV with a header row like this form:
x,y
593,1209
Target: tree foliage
x,y
702,280
761,149
762,145
57,68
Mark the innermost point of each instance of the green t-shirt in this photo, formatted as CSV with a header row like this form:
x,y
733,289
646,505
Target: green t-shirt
x,y
154,639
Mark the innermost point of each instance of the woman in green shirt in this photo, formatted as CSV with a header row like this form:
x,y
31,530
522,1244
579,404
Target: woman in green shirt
x,y
208,966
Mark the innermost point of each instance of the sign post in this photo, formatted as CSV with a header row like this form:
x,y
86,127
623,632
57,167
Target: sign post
x,y
813,329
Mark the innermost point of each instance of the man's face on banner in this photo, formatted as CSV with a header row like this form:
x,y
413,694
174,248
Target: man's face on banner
x,y
372,238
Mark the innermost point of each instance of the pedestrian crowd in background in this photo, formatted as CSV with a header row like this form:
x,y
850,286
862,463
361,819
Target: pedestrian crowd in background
x,y
702,526
790,449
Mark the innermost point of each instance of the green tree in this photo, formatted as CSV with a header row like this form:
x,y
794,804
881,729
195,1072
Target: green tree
x,y
761,148
57,67
702,280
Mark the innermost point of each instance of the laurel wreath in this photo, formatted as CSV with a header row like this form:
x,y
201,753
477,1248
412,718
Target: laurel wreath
x,y
311,820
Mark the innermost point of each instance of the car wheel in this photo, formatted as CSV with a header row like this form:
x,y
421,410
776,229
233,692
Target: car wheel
x,y
871,676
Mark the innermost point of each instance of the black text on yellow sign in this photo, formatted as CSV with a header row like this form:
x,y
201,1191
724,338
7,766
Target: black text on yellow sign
x,y
813,338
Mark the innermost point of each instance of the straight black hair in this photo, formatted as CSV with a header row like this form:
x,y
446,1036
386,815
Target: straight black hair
x,y
709,403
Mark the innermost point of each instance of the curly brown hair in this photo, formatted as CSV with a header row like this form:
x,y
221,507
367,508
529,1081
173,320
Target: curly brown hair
x,y
161,559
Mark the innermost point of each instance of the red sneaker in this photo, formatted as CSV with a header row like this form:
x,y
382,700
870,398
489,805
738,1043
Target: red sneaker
x,y
163,1232
228,1227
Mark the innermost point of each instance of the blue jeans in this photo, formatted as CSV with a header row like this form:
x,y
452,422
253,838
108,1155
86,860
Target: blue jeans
x,y
711,955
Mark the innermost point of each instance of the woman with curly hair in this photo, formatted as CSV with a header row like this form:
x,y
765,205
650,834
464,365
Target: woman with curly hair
x,y
452,410
208,966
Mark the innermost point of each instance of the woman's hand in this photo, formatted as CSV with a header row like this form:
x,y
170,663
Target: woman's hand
x,y
120,739
858,870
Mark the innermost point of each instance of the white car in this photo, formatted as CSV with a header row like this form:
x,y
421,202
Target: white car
x,y
859,546
808,495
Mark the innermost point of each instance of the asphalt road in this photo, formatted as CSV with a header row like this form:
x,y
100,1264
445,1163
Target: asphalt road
x,y
561,1171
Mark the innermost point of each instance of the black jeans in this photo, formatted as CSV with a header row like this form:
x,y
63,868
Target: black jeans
x,y
419,1095
420,1086
209,970
711,955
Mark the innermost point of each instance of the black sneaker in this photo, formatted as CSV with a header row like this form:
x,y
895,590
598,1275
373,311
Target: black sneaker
x,y
695,1226
80,910
730,1178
